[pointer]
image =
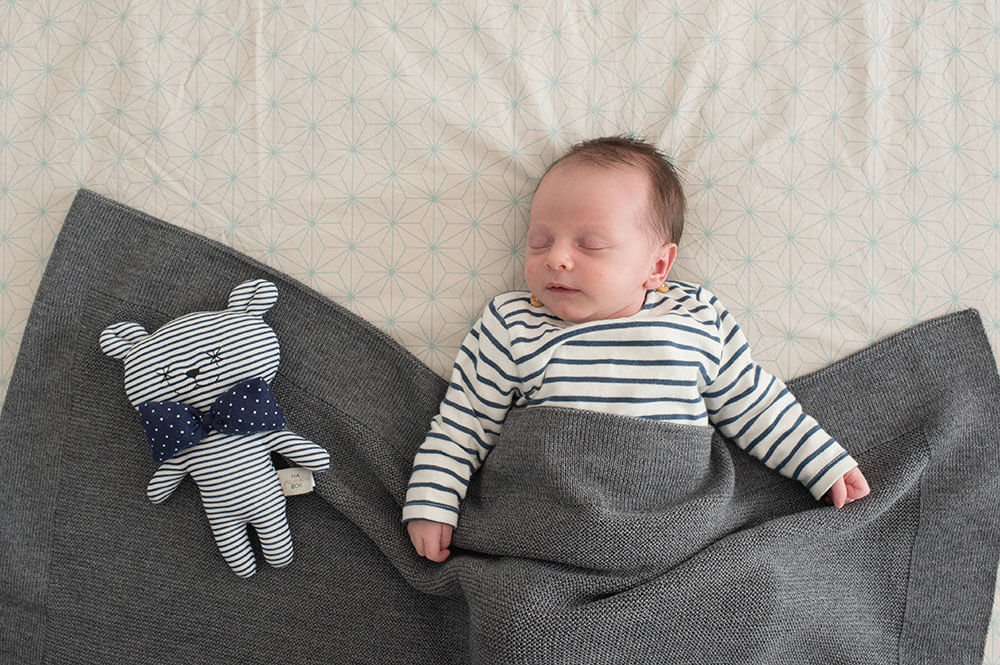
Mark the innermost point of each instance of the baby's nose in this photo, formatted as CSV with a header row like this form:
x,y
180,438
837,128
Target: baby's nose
x,y
559,258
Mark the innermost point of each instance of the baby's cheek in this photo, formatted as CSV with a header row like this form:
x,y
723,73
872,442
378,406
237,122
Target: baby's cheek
x,y
531,271
597,280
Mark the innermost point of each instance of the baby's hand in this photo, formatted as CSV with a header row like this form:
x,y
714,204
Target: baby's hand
x,y
851,487
431,539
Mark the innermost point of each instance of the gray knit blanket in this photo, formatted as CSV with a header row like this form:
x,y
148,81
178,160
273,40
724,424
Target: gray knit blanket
x,y
586,538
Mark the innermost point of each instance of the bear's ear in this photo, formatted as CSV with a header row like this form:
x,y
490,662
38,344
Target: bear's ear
x,y
253,297
118,340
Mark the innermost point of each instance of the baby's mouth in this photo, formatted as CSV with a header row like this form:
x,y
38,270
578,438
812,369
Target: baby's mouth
x,y
560,289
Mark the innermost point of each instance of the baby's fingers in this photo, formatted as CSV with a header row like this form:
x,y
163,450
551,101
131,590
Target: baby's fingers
x,y
857,484
430,539
837,494
445,541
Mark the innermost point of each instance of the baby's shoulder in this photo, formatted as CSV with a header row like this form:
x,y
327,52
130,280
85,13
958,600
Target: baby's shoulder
x,y
511,300
684,299
514,308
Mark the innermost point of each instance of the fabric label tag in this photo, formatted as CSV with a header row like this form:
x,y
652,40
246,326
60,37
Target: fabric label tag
x,y
296,481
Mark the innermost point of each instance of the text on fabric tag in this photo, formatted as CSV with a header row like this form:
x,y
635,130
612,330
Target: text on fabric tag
x,y
296,481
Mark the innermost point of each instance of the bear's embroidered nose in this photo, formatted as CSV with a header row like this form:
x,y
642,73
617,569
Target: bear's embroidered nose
x,y
193,373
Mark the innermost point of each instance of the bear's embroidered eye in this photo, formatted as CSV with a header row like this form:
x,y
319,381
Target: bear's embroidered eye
x,y
215,356
165,374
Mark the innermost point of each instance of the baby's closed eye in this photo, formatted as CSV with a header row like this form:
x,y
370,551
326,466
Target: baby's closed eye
x,y
594,244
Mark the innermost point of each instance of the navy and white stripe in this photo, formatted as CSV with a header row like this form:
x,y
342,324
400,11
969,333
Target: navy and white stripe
x,y
224,347
681,359
207,373
239,487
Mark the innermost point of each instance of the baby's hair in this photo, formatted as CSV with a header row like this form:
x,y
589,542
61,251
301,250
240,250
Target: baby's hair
x,y
666,203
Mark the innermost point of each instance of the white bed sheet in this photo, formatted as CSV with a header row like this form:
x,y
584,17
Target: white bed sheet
x,y
841,158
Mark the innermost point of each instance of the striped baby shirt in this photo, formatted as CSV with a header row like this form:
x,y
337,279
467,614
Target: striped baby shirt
x,y
682,358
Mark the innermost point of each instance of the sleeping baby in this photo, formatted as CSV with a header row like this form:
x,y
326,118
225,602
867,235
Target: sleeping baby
x,y
603,329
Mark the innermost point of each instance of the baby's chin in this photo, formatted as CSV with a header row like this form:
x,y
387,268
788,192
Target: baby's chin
x,y
562,311
582,314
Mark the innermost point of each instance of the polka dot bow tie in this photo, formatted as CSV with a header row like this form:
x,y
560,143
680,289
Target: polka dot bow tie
x,y
247,407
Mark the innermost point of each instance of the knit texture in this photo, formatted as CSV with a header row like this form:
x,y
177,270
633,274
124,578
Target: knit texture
x,y
588,537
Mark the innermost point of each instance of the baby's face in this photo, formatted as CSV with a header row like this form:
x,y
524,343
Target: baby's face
x,y
590,253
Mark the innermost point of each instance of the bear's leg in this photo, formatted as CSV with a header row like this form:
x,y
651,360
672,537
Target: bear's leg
x,y
275,540
233,542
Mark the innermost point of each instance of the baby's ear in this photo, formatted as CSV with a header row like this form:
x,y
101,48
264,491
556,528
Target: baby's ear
x,y
119,339
665,256
254,297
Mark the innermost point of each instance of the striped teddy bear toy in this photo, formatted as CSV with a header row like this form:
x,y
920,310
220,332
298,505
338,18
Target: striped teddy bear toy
x,y
201,386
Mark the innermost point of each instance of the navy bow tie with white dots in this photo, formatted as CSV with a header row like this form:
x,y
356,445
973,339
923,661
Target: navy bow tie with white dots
x,y
247,407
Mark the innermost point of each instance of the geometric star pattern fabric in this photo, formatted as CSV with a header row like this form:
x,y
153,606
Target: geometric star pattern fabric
x,y
841,159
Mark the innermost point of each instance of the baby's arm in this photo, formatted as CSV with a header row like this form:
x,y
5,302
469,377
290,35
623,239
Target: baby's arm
x,y
467,426
430,539
756,410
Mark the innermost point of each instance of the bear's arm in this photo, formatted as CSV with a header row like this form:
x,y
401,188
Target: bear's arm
x,y
302,451
165,480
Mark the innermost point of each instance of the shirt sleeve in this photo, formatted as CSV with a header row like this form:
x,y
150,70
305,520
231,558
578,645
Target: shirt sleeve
x,y
481,391
755,410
